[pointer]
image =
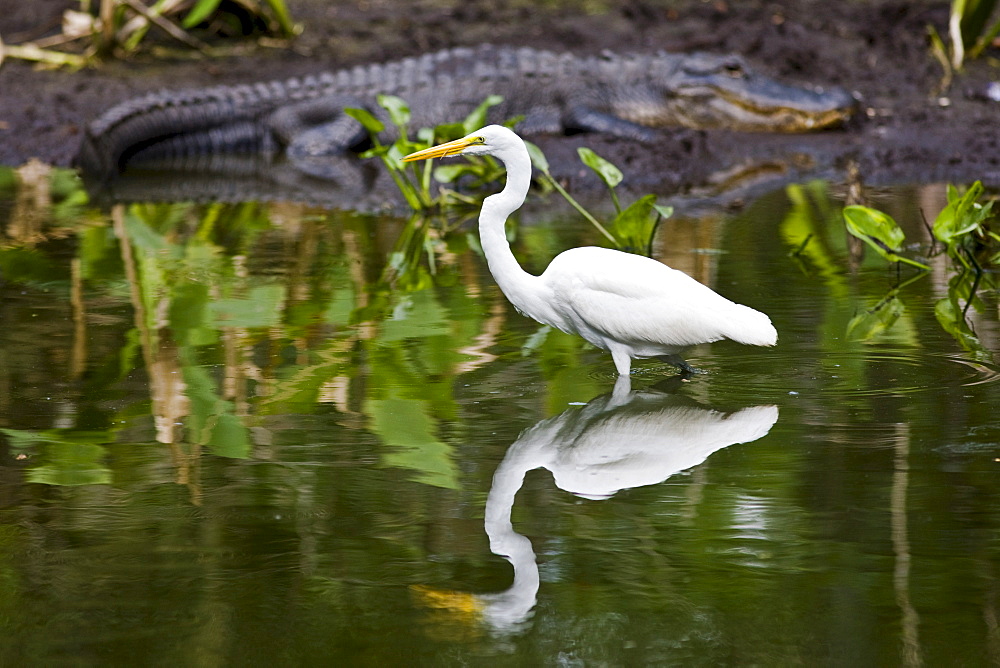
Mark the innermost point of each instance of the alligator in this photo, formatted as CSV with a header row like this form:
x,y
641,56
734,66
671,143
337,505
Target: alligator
x,y
622,95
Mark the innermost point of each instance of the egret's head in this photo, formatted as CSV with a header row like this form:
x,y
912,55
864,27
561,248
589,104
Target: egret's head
x,y
491,140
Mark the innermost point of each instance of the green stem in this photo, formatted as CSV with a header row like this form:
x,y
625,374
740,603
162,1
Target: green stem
x,y
614,199
984,41
34,53
578,207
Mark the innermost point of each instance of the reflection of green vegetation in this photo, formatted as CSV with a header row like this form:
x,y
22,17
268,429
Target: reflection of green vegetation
x,y
67,458
194,297
883,321
406,426
953,317
382,484
808,228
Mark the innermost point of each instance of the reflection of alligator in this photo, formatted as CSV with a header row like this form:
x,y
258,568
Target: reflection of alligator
x,y
620,95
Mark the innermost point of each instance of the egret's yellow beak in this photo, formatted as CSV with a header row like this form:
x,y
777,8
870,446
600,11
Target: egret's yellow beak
x,y
443,150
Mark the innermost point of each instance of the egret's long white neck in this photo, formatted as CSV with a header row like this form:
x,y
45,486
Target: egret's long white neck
x,y
521,288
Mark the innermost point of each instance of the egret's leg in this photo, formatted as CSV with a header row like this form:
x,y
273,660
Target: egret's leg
x,y
680,363
622,361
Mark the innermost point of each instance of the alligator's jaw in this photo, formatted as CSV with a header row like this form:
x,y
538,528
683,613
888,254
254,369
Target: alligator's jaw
x,y
812,110
742,105
739,115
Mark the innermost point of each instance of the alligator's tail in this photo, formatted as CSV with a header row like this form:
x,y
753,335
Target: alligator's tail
x,y
177,124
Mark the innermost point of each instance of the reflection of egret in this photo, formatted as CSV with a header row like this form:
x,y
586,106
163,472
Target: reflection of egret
x,y
615,442
630,305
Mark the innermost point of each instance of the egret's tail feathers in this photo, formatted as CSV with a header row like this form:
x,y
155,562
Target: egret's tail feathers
x,y
753,328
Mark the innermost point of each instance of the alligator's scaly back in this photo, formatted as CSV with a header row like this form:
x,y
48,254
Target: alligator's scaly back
x,y
623,95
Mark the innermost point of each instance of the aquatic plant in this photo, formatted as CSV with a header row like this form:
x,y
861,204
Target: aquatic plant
x,y
631,229
969,33
414,181
119,27
965,228
969,29
880,231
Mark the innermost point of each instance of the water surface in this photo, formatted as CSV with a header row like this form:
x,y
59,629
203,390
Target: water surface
x,y
263,434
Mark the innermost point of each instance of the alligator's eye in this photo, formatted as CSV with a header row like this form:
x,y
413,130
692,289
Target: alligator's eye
x,y
734,69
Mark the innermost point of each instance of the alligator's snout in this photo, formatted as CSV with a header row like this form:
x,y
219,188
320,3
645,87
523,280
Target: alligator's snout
x,y
726,93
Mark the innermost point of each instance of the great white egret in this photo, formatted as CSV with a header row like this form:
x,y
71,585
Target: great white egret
x,y
629,305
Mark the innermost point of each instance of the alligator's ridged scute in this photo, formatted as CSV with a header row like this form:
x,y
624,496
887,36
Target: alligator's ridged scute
x,y
608,93
135,124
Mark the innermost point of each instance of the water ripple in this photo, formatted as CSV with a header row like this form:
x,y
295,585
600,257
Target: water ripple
x,y
872,373
861,373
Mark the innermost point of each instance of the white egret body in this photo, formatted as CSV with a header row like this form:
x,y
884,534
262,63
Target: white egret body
x,y
629,305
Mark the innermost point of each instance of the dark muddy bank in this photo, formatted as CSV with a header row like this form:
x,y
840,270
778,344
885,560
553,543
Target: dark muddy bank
x,y
907,131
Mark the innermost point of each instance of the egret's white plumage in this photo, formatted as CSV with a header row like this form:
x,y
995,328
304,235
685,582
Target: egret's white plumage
x,y
629,305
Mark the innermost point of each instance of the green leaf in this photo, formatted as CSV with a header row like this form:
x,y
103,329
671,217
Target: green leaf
x,y
974,15
373,125
477,118
446,132
283,16
201,11
399,110
665,211
871,225
375,152
425,135
449,173
537,157
395,155
634,226
962,215
878,230
610,174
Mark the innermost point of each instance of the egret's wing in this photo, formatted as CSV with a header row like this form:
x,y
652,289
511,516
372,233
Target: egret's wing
x,y
630,298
